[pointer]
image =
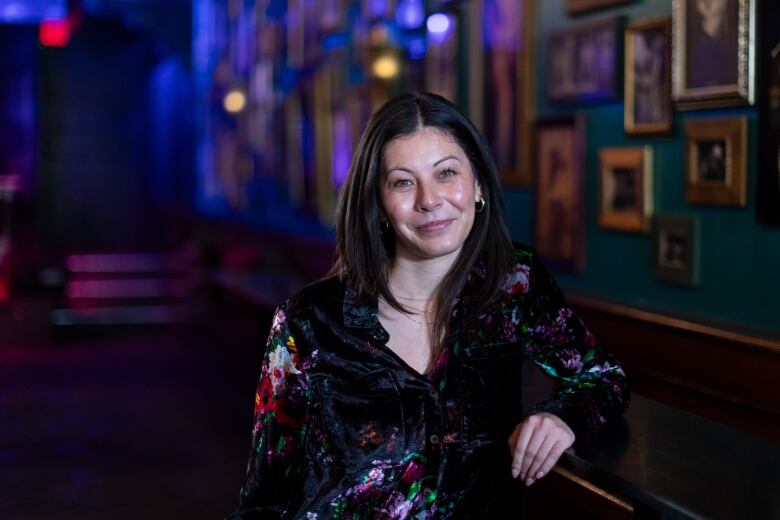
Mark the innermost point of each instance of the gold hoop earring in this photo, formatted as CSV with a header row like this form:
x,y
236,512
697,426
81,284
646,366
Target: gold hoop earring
x,y
480,205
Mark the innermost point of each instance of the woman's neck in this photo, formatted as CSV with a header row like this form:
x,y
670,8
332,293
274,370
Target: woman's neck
x,y
416,280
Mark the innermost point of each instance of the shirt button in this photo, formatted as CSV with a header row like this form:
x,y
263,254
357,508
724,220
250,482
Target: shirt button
x,y
433,393
434,439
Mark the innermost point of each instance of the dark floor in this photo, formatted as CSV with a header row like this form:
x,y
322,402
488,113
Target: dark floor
x,y
151,424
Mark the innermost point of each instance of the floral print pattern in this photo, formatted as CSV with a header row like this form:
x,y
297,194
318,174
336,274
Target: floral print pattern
x,y
326,406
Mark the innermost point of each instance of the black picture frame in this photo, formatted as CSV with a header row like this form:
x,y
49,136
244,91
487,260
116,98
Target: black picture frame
x,y
675,249
768,174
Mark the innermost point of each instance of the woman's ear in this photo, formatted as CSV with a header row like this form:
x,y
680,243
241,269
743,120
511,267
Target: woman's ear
x,y
477,191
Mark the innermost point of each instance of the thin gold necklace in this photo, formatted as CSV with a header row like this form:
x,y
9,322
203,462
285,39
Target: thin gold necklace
x,y
393,291
407,316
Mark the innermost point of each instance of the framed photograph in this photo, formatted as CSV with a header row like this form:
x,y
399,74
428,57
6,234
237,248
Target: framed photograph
x,y
716,161
768,178
501,84
560,215
584,62
441,60
675,249
648,77
574,7
626,188
714,53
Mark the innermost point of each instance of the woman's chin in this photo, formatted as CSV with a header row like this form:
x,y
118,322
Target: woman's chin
x,y
431,249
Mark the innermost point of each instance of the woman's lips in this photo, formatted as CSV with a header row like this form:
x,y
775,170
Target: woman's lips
x,y
436,225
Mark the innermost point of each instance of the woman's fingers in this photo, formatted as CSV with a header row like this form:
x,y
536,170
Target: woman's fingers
x,y
552,458
538,437
541,457
536,445
518,452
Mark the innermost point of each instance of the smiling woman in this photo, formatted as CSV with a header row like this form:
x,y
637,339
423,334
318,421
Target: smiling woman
x,y
391,388
428,194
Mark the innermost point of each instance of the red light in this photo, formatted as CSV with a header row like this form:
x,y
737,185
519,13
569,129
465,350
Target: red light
x,y
54,32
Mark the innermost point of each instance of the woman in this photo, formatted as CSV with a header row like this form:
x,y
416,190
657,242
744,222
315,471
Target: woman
x,y
391,388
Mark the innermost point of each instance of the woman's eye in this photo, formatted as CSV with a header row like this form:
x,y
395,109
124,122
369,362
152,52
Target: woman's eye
x,y
400,183
448,172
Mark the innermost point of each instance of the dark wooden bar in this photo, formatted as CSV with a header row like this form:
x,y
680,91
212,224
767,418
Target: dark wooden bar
x,y
664,462
729,375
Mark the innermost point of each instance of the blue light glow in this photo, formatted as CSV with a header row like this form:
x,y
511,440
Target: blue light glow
x,y
31,11
410,14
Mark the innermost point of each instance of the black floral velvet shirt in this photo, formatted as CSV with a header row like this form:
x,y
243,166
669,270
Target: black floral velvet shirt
x,y
344,428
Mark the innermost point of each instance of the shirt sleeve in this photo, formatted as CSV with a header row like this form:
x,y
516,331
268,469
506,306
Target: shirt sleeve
x,y
273,471
590,386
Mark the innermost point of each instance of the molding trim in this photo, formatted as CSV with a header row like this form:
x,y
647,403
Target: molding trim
x,y
762,343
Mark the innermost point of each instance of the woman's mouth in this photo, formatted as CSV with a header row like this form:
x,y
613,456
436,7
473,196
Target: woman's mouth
x,y
436,225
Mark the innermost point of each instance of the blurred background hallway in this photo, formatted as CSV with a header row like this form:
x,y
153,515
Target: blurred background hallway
x,y
169,171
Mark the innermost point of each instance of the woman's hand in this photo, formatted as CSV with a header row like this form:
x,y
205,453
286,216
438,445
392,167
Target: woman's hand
x,y
536,444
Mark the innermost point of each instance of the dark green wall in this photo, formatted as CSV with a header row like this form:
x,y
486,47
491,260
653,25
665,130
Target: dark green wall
x,y
739,258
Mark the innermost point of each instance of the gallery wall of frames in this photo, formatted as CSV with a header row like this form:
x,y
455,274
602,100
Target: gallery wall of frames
x,y
638,141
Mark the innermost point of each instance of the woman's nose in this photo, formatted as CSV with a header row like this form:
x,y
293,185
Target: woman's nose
x,y
428,197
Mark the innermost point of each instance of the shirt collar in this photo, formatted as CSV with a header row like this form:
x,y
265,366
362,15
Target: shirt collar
x,y
359,312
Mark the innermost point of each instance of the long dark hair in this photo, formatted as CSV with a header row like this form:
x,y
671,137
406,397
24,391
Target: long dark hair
x,y
365,253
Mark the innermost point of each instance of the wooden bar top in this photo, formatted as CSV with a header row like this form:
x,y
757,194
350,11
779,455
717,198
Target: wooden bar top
x,y
673,463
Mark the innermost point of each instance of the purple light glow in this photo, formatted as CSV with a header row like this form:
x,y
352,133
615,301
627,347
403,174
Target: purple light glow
x,y
410,14
342,148
439,27
438,23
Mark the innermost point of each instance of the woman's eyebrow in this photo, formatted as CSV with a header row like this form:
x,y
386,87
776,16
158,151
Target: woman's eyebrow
x,y
408,170
446,158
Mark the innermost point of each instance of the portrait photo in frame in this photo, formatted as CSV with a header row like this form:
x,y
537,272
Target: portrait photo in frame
x,y
713,53
716,161
648,100
501,84
675,249
584,62
626,188
560,214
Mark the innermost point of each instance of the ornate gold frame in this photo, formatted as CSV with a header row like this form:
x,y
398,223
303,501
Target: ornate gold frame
x,y
741,93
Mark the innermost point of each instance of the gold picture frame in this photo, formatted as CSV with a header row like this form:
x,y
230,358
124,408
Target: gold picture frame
x,y
716,161
512,147
714,54
626,188
648,77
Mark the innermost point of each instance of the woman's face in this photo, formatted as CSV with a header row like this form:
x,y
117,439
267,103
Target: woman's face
x,y
710,9
428,193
